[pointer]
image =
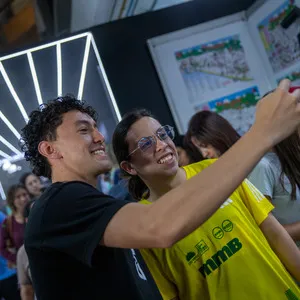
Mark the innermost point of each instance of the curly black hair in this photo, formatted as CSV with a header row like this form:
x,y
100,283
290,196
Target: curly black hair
x,y
42,126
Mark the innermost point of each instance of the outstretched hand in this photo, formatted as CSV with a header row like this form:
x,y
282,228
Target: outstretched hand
x,y
278,114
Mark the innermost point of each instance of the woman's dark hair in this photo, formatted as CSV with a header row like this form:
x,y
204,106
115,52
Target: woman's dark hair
x,y
137,188
11,194
288,152
210,129
180,141
24,177
42,126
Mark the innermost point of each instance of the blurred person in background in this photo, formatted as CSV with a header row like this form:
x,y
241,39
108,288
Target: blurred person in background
x,y
13,227
277,176
185,156
8,278
33,184
24,274
5,208
105,182
209,135
120,190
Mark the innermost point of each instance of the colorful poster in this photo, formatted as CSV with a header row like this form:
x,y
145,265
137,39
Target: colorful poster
x,y
212,66
293,76
281,45
237,108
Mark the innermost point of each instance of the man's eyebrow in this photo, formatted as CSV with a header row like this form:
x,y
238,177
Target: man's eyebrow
x,y
84,122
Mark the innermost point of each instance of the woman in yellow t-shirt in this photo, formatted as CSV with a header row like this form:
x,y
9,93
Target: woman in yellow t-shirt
x,y
240,253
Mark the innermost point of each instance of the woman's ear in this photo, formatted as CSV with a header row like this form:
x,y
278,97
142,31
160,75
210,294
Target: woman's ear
x,y
128,168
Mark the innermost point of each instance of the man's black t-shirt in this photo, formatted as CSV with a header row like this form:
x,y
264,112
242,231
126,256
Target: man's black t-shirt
x,y
66,261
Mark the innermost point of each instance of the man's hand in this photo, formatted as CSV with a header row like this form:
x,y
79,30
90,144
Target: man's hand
x,y
278,114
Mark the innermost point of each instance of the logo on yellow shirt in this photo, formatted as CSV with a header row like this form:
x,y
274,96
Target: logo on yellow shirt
x,y
219,232
201,248
220,257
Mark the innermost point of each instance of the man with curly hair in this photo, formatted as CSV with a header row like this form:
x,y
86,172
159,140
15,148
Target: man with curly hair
x,y
80,242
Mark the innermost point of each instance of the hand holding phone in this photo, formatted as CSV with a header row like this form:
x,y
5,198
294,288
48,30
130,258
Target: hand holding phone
x,y
293,88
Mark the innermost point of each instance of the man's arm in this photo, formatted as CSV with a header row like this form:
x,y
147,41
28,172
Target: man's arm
x,y
282,245
185,208
27,292
293,230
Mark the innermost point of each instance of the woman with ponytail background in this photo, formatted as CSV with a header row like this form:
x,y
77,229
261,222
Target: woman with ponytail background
x,y
209,135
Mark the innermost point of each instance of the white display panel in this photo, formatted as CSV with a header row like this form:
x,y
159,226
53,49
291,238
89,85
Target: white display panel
x,y
279,48
226,65
225,62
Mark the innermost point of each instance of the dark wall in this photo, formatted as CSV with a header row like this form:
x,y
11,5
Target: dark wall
x,y
126,58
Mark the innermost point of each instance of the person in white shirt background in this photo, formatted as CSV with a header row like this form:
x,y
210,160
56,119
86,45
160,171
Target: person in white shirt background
x,y
277,176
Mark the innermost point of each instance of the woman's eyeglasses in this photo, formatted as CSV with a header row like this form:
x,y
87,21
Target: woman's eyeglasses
x,y
148,142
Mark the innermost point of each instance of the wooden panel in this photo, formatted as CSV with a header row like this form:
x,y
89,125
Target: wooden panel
x,y
19,24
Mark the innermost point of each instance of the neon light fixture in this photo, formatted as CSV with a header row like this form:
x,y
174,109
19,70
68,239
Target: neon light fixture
x,y
34,77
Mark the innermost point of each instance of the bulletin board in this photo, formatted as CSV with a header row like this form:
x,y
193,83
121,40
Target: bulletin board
x,y
225,65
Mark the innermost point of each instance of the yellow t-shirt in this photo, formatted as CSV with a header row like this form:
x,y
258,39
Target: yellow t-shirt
x,y
226,258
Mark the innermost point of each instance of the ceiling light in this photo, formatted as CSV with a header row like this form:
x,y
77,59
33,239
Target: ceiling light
x,y
107,84
59,69
34,77
9,145
2,192
3,154
84,66
71,38
6,165
9,125
12,169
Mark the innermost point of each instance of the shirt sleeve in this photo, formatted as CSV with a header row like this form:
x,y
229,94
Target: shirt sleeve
x,y
258,205
263,178
76,218
166,287
4,237
21,268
